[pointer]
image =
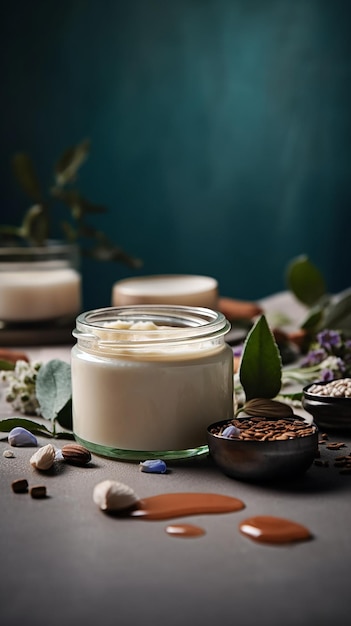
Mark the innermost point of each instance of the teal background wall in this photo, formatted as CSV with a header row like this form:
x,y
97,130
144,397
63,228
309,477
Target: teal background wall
x,y
220,130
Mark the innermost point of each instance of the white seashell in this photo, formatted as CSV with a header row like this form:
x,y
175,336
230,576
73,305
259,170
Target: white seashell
x,y
43,458
111,495
8,454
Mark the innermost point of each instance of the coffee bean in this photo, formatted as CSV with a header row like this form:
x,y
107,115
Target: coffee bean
x,y
20,485
258,429
38,491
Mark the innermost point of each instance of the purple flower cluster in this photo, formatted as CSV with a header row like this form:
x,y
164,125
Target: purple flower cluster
x,y
332,352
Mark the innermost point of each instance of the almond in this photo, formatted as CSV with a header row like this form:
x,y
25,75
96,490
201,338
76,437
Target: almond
x,y
76,454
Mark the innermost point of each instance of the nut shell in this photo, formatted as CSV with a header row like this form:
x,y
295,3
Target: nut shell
x,y
43,459
111,495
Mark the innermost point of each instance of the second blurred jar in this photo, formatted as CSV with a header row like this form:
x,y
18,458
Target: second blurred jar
x,y
182,289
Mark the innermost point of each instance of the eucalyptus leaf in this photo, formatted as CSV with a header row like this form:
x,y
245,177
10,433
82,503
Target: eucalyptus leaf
x,y
53,388
110,253
305,281
9,232
39,219
70,161
6,425
76,201
260,366
25,173
35,225
69,232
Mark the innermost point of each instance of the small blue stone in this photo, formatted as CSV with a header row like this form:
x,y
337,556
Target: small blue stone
x,y
230,431
19,436
153,466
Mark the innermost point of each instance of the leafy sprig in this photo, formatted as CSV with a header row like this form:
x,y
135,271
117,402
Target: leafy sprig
x,y
325,311
36,227
54,395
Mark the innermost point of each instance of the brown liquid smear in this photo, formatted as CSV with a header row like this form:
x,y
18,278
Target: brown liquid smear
x,y
184,530
268,529
169,505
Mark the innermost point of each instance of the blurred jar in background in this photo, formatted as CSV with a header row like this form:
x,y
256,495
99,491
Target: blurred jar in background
x,y
178,289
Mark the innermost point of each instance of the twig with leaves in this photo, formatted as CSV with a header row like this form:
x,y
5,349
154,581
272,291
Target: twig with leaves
x,y
37,223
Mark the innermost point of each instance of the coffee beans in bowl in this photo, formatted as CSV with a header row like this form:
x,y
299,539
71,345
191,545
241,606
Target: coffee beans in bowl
x,y
329,402
263,449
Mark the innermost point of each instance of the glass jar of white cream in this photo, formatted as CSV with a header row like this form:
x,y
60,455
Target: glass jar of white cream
x,y
148,380
39,284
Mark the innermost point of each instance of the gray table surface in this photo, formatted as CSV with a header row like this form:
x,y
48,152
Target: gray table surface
x,y
64,562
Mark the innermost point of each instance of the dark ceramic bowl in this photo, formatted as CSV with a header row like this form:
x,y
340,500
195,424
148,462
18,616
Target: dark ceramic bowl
x,y
261,461
329,413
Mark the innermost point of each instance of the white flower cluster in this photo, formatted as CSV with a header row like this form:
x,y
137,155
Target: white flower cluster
x,y
21,387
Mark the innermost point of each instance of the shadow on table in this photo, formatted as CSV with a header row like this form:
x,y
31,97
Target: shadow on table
x,y
317,479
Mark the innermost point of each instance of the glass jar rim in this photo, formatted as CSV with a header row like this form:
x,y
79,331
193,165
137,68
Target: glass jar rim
x,y
51,248
185,324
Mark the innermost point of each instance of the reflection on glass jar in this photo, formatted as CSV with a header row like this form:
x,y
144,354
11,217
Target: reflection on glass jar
x,y
148,380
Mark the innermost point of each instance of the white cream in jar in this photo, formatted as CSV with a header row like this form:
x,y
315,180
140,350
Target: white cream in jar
x,y
148,380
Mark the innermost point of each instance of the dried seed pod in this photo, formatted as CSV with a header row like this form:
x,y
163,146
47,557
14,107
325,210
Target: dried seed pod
x,y
265,407
43,458
111,495
76,454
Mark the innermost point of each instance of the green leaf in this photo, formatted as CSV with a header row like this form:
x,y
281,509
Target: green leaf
x,y
53,388
64,435
69,231
109,252
35,225
64,416
338,314
305,281
9,232
25,173
8,424
260,366
70,161
313,319
6,365
294,397
77,202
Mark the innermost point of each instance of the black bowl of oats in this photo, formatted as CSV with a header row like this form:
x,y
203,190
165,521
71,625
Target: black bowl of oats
x,y
261,449
329,402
